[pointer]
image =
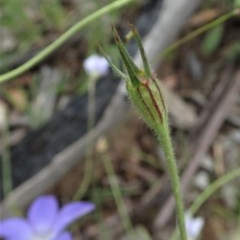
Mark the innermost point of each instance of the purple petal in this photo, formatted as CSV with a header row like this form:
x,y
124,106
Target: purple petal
x,y
42,214
15,229
71,212
64,236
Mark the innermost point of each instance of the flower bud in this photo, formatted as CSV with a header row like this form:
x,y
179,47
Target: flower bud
x,y
148,99
143,87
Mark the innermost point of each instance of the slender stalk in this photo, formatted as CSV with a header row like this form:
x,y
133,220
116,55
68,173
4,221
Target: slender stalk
x,y
58,42
201,30
210,190
6,159
122,210
88,168
175,182
213,188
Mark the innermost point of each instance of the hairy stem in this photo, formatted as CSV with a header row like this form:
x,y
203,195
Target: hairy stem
x,y
175,182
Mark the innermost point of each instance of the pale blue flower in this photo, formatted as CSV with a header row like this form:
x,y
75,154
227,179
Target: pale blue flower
x,y
45,221
96,66
193,226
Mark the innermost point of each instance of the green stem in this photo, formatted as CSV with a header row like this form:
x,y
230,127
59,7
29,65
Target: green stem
x,y
175,182
88,169
213,188
122,210
210,190
58,42
200,30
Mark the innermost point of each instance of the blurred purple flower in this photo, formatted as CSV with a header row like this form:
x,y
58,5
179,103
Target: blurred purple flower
x,y
96,66
45,220
193,226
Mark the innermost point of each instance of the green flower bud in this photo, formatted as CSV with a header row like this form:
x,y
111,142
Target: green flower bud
x,y
148,99
144,88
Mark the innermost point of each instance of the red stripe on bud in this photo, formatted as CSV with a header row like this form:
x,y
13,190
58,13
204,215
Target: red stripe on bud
x,y
145,83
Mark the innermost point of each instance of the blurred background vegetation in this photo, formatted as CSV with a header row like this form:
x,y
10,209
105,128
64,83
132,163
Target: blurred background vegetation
x,y
27,26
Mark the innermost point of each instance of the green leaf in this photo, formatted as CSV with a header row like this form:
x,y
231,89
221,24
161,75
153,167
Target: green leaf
x,y
212,40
